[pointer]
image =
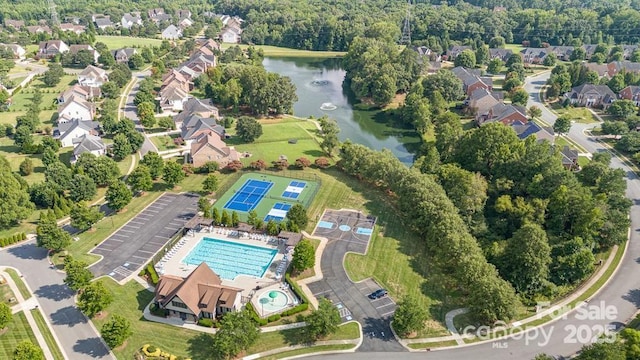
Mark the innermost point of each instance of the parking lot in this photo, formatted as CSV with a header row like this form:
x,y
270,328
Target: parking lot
x,y
135,243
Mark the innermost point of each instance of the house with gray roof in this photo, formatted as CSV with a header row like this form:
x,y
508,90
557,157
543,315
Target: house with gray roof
x,y
601,69
589,95
195,125
504,113
68,131
589,50
456,50
158,14
472,79
172,32
618,66
88,143
130,19
51,48
563,53
526,129
533,55
569,158
17,50
201,107
632,93
482,100
502,54
627,50
16,24
104,22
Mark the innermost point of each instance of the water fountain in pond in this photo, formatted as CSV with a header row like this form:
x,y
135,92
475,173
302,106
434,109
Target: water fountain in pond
x,y
320,82
328,106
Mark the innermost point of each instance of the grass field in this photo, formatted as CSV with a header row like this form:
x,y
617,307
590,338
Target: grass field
x,y
272,196
6,294
18,330
46,333
579,114
131,299
274,141
117,42
164,142
309,350
276,51
26,294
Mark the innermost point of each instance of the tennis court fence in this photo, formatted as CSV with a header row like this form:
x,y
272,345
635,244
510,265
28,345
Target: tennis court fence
x,y
307,197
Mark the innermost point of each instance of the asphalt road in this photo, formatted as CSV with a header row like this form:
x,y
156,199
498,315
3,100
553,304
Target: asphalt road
x,y
77,337
374,316
614,305
130,111
132,246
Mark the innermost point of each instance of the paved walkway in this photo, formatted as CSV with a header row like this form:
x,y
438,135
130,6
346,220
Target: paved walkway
x,y
26,306
448,319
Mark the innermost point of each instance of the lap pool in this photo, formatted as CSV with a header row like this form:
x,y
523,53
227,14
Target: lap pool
x,y
230,259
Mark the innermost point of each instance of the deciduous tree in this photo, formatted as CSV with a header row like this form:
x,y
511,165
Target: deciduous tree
x,y
210,183
118,195
115,331
78,275
140,179
26,350
83,217
155,164
304,256
297,214
527,257
82,188
236,333
5,315
466,58
562,124
172,173
248,129
94,298
323,321
15,205
410,316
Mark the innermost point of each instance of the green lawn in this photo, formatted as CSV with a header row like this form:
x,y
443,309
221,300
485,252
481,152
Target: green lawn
x,y
18,330
579,114
275,141
272,196
420,346
6,294
276,51
131,299
164,142
26,294
46,333
117,42
309,350
516,48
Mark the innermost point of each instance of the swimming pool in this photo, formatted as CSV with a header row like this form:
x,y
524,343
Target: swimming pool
x,y
230,259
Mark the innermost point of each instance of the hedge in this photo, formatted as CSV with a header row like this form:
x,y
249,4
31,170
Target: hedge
x,y
10,240
295,288
151,271
206,322
303,306
153,352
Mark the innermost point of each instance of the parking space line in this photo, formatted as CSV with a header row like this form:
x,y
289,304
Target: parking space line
x,y
322,292
137,222
155,211
145,251
388,313
139,257
385,305
125,230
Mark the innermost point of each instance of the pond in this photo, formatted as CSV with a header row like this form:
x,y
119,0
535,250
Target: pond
x,y
320,91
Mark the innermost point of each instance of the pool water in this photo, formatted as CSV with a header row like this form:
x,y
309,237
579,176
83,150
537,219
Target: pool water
x,y
230,259
269,304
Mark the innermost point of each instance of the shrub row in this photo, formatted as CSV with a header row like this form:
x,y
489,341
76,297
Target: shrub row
x,y
303,306
151,272
294,286
12,239
207,323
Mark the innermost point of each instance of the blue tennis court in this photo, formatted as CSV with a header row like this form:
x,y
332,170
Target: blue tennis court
x,y
249,195
278,212
325,224
294,189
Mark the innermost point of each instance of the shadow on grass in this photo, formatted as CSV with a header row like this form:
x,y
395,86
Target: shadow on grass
x,y
314,153
297,336
144,297
200,347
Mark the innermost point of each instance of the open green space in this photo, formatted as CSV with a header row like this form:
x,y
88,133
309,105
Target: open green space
x,y
437,344
117,42
275,141
6,295
18,330
26,294
164,142
275,51
131,299
273,195
516,48
47,335
309,350
579,114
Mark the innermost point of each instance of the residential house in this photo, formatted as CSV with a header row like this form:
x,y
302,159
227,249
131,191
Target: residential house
x,y
526,129
231,35
456,50
631,93
87,144
173,97
618,66
627,51
183,14
533,55
103,23
76,108
601,69
569,158
51,48
18,51
123,55
197,64
74,28
471,79
175,78
86,93
209,43
590,95
203,108
589,50
39,29
502,54
156,15
504,113
185,23
130,19
73,130
199,295
481,100
563,53
195,125
209,147
172,32
75,48
92,76
426,53
16,24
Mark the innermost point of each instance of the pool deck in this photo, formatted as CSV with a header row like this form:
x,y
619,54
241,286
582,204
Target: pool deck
x,y
175,266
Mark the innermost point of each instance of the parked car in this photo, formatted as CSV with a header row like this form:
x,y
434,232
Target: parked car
x,y
378,294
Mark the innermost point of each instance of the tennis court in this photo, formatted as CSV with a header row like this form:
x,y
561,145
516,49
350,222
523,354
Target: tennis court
x,y
270,196
249,195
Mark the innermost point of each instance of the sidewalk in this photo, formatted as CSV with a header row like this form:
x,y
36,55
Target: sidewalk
x,y
26,306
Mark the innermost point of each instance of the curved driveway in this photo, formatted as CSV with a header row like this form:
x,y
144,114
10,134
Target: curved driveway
x,y
76,334
567,335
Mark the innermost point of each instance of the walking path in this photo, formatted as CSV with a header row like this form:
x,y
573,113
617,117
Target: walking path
x,y
448,319
26,306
